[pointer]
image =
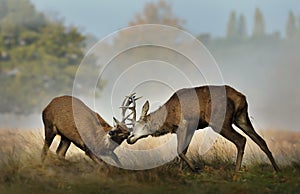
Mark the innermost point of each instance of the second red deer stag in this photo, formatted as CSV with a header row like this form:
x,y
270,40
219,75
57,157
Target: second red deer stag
x,y
67,116
192,108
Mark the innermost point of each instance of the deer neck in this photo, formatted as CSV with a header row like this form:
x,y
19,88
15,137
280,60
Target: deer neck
x,y
105,126
162,122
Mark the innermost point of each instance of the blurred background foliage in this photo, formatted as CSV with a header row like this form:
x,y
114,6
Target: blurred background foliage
x,y
39,55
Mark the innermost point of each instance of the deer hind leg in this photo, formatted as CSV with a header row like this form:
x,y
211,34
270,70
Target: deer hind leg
x,y
49,136
239,141
63,147
243,122
184,137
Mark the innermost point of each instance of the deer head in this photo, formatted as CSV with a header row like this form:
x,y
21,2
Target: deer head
x,y
121,131
141,127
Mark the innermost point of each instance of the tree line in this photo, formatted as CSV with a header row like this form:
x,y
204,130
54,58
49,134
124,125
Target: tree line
x,y
39,57
236,26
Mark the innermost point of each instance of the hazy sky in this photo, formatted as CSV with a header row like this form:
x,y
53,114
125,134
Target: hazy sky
x,y
102,17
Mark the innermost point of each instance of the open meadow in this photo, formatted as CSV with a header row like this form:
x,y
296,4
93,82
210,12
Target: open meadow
x,y
102,51
21,170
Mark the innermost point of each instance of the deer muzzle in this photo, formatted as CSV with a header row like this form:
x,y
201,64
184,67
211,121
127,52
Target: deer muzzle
x,y
131,139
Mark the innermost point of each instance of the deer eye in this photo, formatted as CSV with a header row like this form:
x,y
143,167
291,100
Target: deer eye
x,y
111,133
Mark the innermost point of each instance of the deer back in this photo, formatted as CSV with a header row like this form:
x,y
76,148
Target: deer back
x,y
71,118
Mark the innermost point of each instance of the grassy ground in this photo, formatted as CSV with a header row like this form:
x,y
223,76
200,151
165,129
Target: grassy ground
x,y
22,172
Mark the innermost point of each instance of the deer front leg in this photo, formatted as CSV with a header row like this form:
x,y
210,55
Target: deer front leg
x,y
93,156
115,158
184,137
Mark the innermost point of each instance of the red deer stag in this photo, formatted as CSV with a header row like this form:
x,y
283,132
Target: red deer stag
x,y
66,115
179,113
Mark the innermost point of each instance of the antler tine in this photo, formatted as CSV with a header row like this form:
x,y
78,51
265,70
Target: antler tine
x,y
127,117
130,95
138,98
133,108
126,105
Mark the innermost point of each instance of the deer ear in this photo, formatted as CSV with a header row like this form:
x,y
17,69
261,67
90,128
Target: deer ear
x,y
116,121
145,110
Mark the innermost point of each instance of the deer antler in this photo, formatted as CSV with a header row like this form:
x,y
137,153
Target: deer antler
x,y
126,105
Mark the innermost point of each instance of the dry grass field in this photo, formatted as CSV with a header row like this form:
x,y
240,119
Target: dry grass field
x,y
21,170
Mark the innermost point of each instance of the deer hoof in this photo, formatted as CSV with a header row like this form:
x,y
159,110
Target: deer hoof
x,y
197,169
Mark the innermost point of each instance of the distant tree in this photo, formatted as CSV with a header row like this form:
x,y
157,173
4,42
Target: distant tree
x,y
38,57
232,26
159,12
241,29
298,27
12,19
259,24
154,12
3,9
291,29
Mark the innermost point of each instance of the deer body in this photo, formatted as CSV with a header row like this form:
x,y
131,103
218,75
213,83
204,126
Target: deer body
x,y
67,116
180,115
